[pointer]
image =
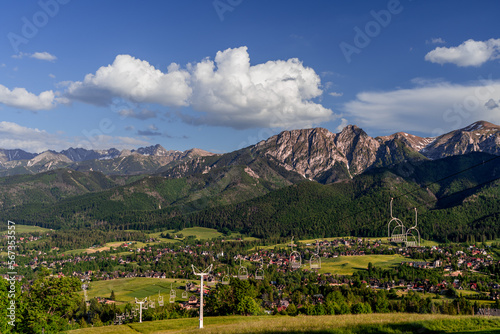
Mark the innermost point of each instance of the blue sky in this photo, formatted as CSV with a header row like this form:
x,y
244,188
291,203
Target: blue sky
x,y
224,74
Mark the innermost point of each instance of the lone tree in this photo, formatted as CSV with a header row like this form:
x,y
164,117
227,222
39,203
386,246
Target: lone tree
x,y
112,297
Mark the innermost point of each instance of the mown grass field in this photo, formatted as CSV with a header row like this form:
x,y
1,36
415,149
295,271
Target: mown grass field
x,y
347,265
127,289
200,233
27,229
363,323
106,247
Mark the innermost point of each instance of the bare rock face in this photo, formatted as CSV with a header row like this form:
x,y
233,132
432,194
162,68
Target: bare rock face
x,y
478,137
359,149
307,152
15,154
314,152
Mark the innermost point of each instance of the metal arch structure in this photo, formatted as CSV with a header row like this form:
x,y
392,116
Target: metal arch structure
x,y
242,272
315,260
413,234
398,232
295,258
201,274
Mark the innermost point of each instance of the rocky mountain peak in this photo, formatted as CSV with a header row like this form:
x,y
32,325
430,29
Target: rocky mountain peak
x,y
480,126
156,150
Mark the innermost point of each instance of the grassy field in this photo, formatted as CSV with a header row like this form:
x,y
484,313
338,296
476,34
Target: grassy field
x,y
127,289
347,265
200,233
106,247
27,229
364,323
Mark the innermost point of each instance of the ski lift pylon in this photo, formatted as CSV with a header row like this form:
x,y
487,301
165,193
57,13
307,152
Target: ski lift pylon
x,y
295,258
315,260
259,273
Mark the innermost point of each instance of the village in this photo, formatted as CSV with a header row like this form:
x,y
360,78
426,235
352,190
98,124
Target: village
x,y
460,267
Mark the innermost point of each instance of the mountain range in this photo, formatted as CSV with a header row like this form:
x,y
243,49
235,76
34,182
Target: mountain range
x,y
316,154
296,182
111,161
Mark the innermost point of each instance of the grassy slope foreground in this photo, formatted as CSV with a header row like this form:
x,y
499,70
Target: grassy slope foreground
x,y
363,323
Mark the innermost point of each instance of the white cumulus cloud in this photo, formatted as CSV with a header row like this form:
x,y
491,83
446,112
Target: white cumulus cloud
x,y
227,91
278,93
469,53
135,80
43,56
430,109
22,99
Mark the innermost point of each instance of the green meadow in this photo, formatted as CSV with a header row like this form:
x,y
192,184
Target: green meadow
x,y
347,265
393,323
127,289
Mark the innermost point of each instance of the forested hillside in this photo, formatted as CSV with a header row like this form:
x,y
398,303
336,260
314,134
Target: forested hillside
x,y
457,199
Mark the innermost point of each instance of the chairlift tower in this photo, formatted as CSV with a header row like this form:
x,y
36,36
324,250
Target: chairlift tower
x,y
295,258
201,274
315,260
141,302
398,233
85,286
